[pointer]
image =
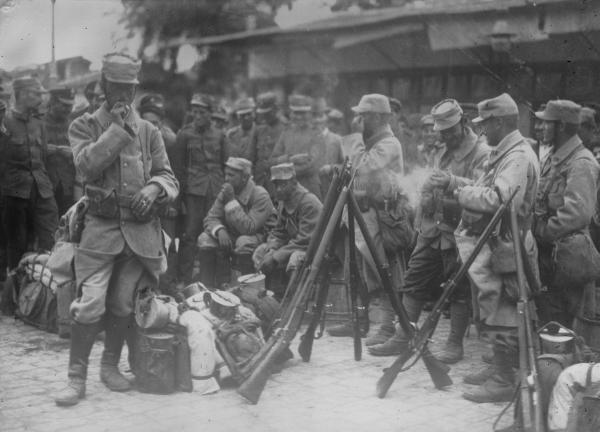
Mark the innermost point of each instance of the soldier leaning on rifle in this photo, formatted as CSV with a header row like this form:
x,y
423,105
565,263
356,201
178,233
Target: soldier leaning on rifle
x,y
565,204
205,150
123,162
242,142
435,257
376,157
235,225
269,127
298,211
60,156
26,187
511,163
299,144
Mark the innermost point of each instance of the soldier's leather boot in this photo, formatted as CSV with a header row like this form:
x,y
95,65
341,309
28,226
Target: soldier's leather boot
x,y
459,322
82,341
386,329
116,329
131,340
244,264
478,378
223,269
500,387
347,330
207,259
399,342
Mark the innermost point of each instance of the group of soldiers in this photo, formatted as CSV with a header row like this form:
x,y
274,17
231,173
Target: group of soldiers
x,y
249,197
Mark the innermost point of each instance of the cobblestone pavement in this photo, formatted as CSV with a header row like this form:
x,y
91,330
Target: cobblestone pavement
x,y
331,393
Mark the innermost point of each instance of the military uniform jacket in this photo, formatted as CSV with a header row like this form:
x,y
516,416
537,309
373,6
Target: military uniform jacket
x,y
378,163
294,141
330,149
242,143
441,214
566,198
123,159
266,137
247,214
23,153
61,168
205,153
296,222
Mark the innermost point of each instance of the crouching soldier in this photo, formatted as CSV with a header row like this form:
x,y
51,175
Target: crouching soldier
x,y
512,163
297,215
235,225
564,207
123,162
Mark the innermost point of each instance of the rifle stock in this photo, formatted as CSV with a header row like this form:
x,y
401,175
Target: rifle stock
x,y
438,371
354,280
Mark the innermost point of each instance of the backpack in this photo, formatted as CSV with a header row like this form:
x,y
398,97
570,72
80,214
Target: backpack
x,y
264,306
585,412
36,305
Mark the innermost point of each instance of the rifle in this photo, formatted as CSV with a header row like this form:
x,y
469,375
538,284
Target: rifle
x,y
419,339
354,281
531,408
253,386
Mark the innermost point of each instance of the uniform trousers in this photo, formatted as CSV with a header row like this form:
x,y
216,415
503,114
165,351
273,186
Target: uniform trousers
x,y
196,209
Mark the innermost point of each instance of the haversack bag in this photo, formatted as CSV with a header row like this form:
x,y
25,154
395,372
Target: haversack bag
x,y
585,411
396,225
36,305
576,260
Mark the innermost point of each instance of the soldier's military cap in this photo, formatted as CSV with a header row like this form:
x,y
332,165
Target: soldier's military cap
x,y
300,103
28,83
220,114
152,102
427,119
375,103
284,171
588,116
265,102
244,106
121,68
335,114
201,100
239,164
560,110
64,95
395,104
320,107
500,106
446,114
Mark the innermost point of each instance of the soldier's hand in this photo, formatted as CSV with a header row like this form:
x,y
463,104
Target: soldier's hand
x,y
227,193
326,170
439,179
268,264
142,202
224,239
118,113
357,125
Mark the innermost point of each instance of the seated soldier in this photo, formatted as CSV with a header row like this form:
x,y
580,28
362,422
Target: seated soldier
x,y
297,214
235,225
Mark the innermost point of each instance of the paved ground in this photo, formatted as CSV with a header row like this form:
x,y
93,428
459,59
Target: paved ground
x,y
332,392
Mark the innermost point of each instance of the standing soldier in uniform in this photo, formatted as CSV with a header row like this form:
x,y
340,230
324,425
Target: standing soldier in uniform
x,y
60,156
241,138
376,157
298,211
269,127
565,204
512,163
435,257
205,151
330,145
123,162
299,144
26,186
235,225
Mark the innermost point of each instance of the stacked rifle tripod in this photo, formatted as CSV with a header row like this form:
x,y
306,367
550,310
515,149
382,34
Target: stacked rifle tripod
x,y
311,279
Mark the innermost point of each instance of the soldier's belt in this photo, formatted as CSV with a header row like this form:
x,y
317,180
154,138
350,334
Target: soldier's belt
x,y
108,204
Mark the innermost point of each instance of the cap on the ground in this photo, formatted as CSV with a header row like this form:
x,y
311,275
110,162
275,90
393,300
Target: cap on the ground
x,y
560,110
121,68
152,102
63,95
395,104
244,106
427,119
375,103
335,114
446,114
298,102
201,100
28,83
265,102
240,164
284,171
500,106
588,116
